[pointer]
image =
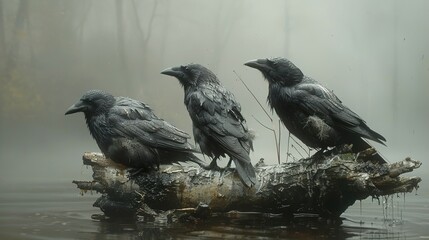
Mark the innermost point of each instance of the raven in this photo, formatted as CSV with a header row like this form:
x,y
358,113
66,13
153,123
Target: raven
x,y
310,111
128,132
218,126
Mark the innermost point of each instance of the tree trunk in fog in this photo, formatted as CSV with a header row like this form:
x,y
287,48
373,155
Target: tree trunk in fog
x,y
395,85
121,43
326,186
2,40
145,36
287,29
223,29
86,9
165,29
145,33
12,52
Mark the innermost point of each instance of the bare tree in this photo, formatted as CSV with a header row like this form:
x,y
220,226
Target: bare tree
x,y
395,85
20,20
2,39
10,53
144,23
224,26
120,32
81,25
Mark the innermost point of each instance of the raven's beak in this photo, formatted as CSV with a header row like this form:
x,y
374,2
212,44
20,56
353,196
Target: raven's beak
x,y
174,71
260,64
77,107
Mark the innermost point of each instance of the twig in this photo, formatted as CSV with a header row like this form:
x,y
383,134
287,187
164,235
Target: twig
x,y
248,89
299,152
287,151
263,125
293,157
277,146
275,138
266,113
280,138
298,145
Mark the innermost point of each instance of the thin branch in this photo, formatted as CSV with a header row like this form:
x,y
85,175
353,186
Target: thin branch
x,y
280,139
298,145
299,152
277,147
248,89
293,157
275,138
263,125
268,115
287,151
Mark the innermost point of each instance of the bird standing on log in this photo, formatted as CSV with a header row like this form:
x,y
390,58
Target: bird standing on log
x,y
310,111
218,126
128,132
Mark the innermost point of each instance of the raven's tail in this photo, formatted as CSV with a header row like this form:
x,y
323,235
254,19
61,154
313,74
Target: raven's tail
x,y
176,157
246,172
361,145
192,158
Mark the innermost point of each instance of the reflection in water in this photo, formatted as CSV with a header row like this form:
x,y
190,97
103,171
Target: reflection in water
x,y
246,227
55,211
254,228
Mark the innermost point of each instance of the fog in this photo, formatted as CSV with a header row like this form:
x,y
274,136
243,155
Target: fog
x,y
373,54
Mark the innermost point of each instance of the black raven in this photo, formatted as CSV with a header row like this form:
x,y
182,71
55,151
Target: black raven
x,y
218,126
128,132
310,111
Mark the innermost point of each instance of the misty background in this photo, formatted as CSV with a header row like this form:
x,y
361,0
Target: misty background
x,y
373,54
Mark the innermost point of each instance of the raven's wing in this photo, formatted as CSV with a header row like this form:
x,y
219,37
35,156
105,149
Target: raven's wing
x,y
316,99
216,112
135,120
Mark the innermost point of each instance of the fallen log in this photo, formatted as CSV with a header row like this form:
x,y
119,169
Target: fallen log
x,y
322,185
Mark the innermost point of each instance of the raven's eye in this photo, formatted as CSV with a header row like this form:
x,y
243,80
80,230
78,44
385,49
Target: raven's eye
x,y
184,68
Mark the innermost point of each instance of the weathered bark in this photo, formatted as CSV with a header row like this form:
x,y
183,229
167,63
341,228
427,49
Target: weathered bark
x,y
326,186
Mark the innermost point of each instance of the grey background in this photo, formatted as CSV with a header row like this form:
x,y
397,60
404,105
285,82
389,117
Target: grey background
x,y
373,54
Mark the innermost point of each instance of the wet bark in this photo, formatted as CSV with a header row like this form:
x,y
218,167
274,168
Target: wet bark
x,y
323,185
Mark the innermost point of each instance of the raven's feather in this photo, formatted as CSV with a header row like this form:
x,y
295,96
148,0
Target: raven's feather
x,y
128,132
310,111
219,127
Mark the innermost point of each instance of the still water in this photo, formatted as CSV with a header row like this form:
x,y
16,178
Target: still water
x,y
58,211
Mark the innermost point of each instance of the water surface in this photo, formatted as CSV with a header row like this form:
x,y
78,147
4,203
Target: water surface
x,y
59,211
